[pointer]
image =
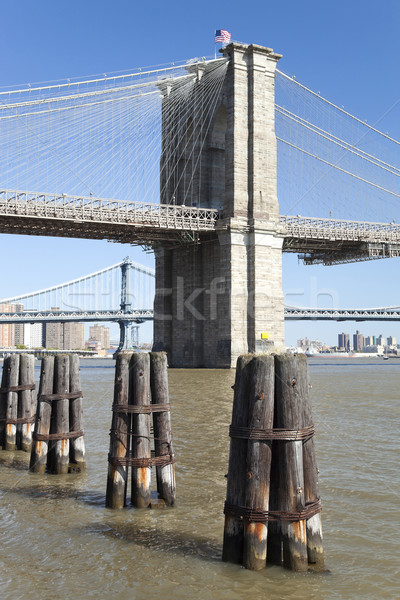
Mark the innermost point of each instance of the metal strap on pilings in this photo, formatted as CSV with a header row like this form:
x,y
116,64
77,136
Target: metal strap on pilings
x,y
18,421
68,435
63,396
141,410
287,435
130,461
17,388
262,516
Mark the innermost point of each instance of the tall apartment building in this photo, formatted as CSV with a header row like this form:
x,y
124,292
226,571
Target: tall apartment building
x,y
344,341
64,336
391,341
6,330
33,335
380,340
101,334
73,336
19,327
358,341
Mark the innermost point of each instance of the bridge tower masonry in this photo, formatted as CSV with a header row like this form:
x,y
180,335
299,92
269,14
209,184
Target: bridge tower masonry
x,y
223,296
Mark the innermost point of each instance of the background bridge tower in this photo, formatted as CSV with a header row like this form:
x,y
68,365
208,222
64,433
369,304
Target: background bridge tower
x,y
215,299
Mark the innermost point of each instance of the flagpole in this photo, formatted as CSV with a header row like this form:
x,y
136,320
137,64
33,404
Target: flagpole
x,y
215,45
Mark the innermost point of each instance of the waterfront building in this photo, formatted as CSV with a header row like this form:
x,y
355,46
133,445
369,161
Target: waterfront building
x,y
358,341
391,341
33,335
19,327
380,340
100,334
344,341
6,330
73,336
64,336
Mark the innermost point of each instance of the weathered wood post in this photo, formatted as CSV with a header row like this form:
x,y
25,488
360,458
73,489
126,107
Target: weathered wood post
x,y
233,529
291,380
139,378
10,382
77,444
59,397
41,430
139,396
119,440
59,444
16,406
315,548
165,473
25,404
260,420
272,489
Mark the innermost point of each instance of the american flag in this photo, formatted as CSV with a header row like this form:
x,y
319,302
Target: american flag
x,y
221,35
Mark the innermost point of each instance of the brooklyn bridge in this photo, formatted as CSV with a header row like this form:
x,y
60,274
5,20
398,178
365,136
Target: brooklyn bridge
x,y
217,166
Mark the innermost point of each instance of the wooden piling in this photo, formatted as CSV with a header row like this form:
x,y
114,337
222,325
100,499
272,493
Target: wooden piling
x,y
11,365
26,377
58,459
274,541
119,441
165,474
291,379
258,463
77,444
233,529
139,396
43,416
3,405
315,549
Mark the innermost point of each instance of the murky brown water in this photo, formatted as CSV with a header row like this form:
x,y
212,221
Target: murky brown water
x,y
58,540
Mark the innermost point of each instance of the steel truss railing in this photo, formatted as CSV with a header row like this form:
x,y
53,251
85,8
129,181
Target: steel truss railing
x,y
339,230
342,314
120,212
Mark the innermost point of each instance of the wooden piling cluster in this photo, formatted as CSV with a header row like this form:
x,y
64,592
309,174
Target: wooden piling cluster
x,y
58,438
140,392
17,402
272,508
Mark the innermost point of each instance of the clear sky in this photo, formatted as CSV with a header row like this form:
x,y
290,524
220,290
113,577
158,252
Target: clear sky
x,y
348,50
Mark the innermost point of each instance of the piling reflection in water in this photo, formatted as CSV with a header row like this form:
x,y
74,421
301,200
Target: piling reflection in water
x,y
78,547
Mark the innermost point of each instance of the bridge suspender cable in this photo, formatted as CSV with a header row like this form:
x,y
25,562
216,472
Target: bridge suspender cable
x,y
338,108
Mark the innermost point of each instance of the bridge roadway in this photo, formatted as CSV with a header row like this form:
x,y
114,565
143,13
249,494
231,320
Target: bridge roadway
x,y
317,240
292,313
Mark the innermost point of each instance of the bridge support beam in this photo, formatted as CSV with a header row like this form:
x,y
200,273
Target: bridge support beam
x,y
223,297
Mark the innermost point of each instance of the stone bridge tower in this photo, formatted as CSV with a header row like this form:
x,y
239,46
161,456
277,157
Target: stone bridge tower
x,y
223,297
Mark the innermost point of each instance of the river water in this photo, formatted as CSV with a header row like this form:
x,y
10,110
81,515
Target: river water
x,y
57,539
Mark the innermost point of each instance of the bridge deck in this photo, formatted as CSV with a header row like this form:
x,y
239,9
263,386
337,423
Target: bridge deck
x,y
32,213
317,240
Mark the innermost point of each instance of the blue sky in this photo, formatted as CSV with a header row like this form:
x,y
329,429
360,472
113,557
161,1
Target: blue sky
x,y
349,51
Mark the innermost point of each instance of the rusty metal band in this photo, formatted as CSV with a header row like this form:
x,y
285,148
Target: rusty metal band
x,y
145,410
68,435
287,435
130,461
17,388
262,516
66,396
18,421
